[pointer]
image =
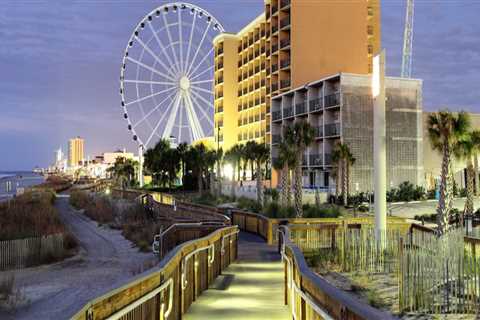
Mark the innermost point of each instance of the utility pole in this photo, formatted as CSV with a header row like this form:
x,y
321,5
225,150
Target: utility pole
x,y
379,146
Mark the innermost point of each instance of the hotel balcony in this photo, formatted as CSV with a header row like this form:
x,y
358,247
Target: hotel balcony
x,y
328,159
285,63
274,29
220,80
274,67
332,129
284,43
220,51
316,160
288,112
276,115
274,48
274,9
318,131
284,3
284,84
285,22
274,87
332,100
219,109
220,94
300,108
276,138
220,65
315,105
239,107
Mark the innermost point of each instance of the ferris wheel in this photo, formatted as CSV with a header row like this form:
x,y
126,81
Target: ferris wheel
x,y
166,78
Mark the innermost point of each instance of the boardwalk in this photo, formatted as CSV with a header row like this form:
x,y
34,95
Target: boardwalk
x,y
251,288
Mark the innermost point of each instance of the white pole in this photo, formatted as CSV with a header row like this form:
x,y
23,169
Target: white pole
x,y
140,166
379,145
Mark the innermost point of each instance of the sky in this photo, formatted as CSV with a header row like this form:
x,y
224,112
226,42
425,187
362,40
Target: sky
x,y
60,66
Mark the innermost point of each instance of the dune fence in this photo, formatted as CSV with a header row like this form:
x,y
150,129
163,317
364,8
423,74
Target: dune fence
x,y
23,253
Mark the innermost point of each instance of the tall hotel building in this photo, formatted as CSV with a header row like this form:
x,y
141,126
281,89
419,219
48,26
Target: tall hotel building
x,y
291,43
75,151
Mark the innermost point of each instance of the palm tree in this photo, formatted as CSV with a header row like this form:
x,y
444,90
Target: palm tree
x,y
466,150
219,160
250,149
197,161
303,135
284,163
242,149
182,150
261,153
232,157
344,159
210,161
445,131
337,173
123,171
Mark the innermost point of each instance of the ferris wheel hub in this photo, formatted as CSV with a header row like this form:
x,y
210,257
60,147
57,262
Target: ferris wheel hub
x,y
184,83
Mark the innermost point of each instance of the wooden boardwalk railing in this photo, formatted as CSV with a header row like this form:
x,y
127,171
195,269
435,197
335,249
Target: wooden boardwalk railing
x,y
168,291
267,227
309,296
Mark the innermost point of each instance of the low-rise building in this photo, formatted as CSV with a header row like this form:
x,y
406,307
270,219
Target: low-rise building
x,y
340,109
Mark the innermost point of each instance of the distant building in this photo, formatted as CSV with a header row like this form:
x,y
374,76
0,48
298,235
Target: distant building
x,y
340,110
75,151
109,158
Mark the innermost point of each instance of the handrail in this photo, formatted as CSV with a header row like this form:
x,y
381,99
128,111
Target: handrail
x,y
169,283
142,289
340,304
157,245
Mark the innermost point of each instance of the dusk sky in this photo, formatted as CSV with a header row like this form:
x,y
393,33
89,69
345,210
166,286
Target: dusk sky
x,y
60,65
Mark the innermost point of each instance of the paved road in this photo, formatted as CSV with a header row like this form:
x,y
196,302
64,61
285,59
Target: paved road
x,y
57,291
409,210
251,288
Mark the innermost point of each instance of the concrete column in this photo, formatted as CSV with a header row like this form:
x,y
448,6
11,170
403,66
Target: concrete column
x,y
140,166
379,145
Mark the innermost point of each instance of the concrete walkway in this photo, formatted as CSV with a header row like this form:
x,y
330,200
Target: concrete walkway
x,y
251,288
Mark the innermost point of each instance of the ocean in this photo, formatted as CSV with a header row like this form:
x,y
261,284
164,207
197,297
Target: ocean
x,y
13,181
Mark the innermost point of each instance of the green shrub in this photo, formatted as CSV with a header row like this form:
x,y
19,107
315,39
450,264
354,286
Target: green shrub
x,y
406,191
328,211
249,205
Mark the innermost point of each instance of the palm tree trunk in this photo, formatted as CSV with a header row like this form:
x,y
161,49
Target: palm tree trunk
x,y
287,189
468,210
234,183
259,184
219,180
298,186
443,209
344,182
200,183
337,181
475,173
283,185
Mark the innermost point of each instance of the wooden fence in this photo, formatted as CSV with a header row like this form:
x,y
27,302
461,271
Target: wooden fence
x,y
353,247
22,253
267,228
440,274
309,296
168,291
